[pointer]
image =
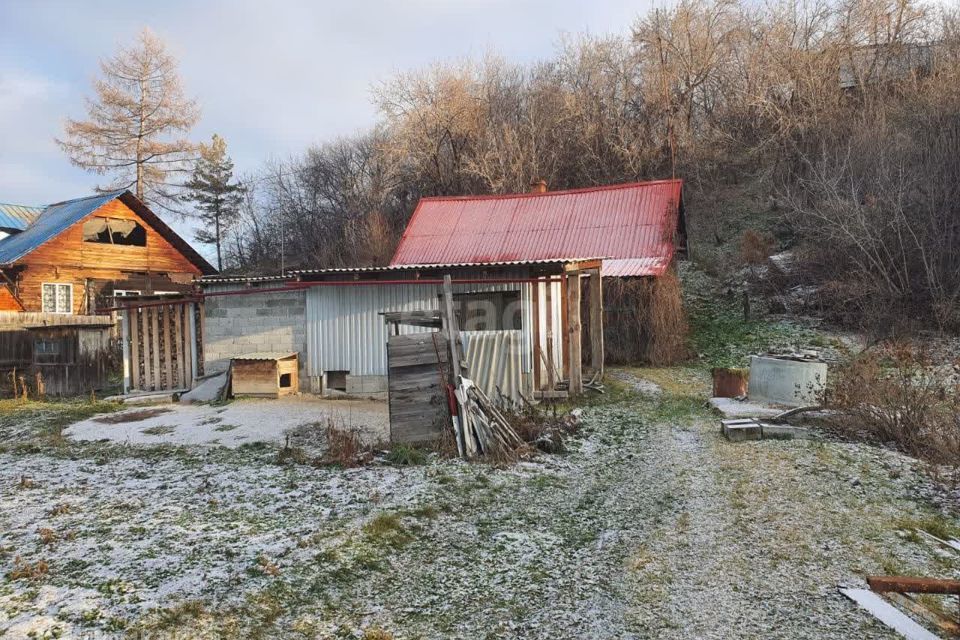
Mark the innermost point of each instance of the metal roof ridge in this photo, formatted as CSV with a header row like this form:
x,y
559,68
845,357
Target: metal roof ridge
x,y
107,194
561,192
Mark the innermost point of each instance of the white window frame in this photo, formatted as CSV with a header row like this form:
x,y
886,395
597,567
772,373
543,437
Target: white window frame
x,y
56,286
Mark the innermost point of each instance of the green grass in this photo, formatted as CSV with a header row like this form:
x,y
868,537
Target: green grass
x,y
722,338
387,529
47,419
159,430
406,456
935,524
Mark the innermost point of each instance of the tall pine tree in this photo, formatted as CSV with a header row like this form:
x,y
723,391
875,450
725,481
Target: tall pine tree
x,y
216,196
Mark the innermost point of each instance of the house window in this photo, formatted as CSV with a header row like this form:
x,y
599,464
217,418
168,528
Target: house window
x,y
117,231
46,350
57,298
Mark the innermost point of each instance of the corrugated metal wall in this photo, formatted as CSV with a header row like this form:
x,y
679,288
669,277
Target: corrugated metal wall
x,y
346,331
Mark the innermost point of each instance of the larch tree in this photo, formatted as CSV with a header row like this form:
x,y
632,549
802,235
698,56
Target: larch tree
x,y
136,125
215,193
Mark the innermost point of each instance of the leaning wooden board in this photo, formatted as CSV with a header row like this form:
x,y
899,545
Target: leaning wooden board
x,y
418,403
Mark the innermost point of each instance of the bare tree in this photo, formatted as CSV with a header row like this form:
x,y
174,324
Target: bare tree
x,y
136,125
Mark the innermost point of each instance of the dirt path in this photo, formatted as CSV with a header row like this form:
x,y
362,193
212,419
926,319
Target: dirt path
x,y
651,527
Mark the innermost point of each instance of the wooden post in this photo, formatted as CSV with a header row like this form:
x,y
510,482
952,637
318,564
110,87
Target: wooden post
x,y
551,366
535,313
125,344
155,346
596,321
452,329
198,344
134,327
168,344
565,325
461,426
192,337
574,333
145,348
178,345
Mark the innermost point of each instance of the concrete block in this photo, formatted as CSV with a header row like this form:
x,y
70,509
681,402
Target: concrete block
x,y
741,430
363,385
783,432
733,408
790,382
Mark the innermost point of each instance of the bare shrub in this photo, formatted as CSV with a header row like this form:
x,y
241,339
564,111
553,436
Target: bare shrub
x,y
344,447
645,320
895,394
543,429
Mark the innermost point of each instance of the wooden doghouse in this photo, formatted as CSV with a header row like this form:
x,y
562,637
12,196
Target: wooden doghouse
x,y
265,375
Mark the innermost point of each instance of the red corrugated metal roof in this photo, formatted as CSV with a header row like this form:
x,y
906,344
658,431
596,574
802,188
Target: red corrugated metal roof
x,y
633,226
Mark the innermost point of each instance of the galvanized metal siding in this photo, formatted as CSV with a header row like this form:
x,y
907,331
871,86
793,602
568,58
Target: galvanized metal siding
x,y
345,331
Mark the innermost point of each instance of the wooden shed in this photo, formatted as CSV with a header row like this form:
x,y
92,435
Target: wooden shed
x,y
72,359
265,375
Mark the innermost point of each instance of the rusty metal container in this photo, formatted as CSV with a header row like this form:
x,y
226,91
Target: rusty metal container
x,y
730,382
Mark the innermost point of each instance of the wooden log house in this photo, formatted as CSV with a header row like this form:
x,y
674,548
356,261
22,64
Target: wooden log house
x,y
74,257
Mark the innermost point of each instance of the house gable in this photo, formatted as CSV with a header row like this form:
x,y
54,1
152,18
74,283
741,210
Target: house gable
x,y
97,268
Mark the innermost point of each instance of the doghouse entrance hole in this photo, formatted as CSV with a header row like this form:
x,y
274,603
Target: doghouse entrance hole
x,y
284,380
337,380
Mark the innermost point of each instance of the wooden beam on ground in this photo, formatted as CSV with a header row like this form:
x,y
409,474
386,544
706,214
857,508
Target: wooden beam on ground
x,y
907,584
596,321
574,331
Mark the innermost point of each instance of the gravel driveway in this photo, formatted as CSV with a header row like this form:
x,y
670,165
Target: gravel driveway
x,y
651,527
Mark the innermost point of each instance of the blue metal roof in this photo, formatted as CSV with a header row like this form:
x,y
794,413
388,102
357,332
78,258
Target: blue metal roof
x,y
17,217
54,219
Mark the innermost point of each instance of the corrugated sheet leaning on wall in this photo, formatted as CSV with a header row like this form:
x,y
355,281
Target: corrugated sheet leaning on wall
x,y
493,362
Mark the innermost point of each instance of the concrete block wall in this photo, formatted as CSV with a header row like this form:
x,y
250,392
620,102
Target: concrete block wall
x,y
237,325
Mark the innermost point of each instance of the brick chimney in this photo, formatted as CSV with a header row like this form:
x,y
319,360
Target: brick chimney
x,y
538,186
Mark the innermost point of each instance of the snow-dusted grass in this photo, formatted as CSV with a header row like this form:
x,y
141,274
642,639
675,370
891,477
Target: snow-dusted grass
x,y
652,526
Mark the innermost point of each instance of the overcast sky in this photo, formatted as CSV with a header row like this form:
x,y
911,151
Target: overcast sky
x,y
272,77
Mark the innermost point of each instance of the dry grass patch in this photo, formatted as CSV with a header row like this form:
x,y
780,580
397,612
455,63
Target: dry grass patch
x,y
132,416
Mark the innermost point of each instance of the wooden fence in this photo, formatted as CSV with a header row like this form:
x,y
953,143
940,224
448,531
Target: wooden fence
x,y
162,346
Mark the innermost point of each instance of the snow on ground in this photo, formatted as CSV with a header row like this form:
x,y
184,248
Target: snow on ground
x,y
651,527
231,425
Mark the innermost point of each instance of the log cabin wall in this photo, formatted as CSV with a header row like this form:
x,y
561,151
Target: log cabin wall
x,y
93,267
